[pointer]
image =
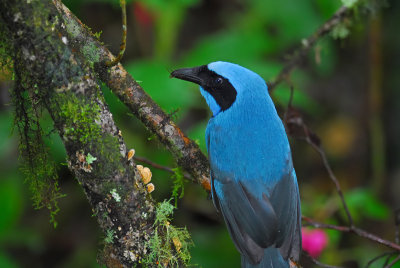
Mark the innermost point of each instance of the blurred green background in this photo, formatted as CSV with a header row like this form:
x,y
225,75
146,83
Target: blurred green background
x,y
348,91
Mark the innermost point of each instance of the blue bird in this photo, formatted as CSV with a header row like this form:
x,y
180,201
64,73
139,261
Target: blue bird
x,y
253,182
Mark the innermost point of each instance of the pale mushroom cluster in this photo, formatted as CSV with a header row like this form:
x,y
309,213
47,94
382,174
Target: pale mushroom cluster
x,y
145,173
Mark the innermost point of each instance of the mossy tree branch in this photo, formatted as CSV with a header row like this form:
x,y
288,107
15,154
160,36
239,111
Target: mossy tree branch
x,y
185,151
63,82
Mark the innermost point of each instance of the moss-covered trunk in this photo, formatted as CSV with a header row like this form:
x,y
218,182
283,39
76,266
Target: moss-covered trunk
x,y
61,81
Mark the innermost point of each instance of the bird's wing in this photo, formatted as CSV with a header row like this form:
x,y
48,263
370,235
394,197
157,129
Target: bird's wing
x,y
213,194
285,200
256,223
252,223
237,205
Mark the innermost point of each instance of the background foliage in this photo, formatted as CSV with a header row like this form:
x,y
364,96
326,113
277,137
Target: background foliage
x,y
348,92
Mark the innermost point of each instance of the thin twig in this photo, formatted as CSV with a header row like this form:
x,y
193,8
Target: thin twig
x,y
311,222
397,224
296,127
158,166
332,177
308,43
318,262
393,262
390,253
123,38
355,230
387,260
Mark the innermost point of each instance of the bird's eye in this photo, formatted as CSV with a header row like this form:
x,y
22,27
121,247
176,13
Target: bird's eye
x,y
218,81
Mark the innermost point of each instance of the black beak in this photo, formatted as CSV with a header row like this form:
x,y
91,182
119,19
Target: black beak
x,y
189,74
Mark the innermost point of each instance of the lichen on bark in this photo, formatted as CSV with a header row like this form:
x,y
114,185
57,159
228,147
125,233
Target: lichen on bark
x,y
51,76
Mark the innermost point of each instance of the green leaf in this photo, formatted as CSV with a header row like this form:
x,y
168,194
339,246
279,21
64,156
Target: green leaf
x,y
90,159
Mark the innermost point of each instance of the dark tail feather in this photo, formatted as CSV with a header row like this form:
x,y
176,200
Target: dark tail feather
x,y
272,259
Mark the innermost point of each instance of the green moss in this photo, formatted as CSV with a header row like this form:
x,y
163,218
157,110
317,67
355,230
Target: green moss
x,y
110,234
97,35
79,119
90,51
109,149
73,28
178,185
90,158
42,177
164,212
49,76
36,163
341,31
82,129
115,195
6,48
169,245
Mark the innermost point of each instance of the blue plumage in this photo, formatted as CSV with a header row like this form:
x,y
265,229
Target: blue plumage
x,y
254,184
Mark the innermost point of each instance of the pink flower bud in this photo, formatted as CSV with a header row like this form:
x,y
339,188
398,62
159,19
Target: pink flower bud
x,y
314,241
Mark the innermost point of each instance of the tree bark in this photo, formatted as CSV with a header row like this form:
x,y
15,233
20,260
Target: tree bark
x,y
186,152
65,84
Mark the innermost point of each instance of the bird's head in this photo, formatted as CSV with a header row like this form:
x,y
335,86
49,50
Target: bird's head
x,y
223,84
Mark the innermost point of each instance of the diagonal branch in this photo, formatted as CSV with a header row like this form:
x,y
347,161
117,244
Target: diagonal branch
x,y
332,176
53,76
297,128
186,152
385,254
355,230
393,262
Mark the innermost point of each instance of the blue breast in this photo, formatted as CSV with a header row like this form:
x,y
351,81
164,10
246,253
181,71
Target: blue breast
x,y
249,141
